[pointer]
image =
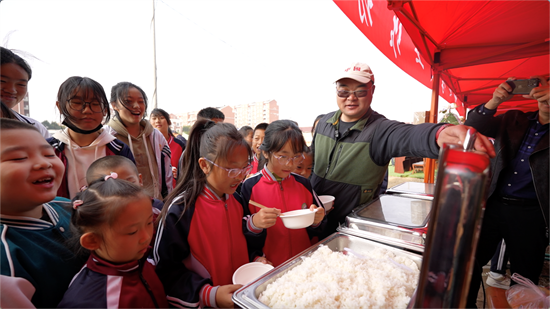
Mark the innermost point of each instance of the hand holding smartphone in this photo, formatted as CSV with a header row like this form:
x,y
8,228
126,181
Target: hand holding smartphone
x,y
523,86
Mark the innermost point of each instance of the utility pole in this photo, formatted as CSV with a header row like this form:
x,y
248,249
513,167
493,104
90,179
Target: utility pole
x,y
154,58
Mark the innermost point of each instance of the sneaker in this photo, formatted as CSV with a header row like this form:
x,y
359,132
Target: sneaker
x,y
498,281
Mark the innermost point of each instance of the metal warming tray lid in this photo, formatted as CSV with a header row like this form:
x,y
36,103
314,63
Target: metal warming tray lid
x,y
414,189
392,219
248,295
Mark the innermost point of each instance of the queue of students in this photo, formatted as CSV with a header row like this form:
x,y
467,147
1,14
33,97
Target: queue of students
x,y
80,209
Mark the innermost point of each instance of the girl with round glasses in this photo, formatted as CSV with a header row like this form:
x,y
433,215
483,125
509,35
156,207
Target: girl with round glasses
x,y
277,187
84,107
202,237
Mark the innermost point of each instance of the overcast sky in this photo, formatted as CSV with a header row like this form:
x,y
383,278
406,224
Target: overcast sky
x,y
209,53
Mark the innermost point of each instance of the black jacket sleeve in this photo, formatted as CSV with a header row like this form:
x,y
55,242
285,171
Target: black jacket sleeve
x,y
182,285
396,139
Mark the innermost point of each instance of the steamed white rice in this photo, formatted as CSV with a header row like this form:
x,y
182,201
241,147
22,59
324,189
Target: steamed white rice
x,y
329,279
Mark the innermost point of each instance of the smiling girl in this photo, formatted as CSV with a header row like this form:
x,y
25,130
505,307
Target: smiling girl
x,y
113,220
15,74
160,120
280,189
150,148
83,105
202,237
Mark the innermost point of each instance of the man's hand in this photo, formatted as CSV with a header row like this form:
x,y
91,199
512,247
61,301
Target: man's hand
x,y
457,134
501,95
540,93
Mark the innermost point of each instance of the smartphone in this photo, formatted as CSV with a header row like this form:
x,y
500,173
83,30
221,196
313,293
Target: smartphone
x,y
523,86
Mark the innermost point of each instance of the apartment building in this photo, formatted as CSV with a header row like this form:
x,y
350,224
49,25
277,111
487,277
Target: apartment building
x,y
248,114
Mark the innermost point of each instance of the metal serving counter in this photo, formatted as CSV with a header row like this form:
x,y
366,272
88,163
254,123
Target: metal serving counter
x,y
247,296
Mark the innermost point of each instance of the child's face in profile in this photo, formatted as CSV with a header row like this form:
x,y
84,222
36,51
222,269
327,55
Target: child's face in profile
x,y
306,167
257,140
218,178
249,137
129,237
30,172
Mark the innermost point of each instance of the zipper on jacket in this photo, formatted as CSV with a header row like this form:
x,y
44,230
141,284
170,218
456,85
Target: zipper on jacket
x,y
148,288
542,210
337,139
286,209
229,229
337,157
280,185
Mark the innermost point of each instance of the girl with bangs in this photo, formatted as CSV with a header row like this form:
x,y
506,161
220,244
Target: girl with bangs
x,y
276,186
202,238
83,106
148,145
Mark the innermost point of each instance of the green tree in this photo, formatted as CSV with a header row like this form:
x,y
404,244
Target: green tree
x,y
186,129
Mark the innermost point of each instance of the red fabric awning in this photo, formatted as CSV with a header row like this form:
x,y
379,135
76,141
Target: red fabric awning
x,y
473,45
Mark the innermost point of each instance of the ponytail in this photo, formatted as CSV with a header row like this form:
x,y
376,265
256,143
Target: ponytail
x,y
206,140
192,180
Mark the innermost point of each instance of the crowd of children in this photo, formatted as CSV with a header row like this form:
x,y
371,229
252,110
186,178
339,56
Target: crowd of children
x,y
98,216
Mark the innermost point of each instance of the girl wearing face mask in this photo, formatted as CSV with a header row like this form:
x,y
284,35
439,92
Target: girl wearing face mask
x,y
83,105
150,148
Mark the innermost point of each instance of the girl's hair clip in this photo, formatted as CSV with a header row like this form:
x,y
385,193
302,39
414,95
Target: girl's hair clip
x,y
77,203
113,175
84,187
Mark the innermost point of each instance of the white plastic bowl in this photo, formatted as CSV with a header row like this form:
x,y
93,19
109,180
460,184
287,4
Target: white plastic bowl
x,y
327,200
298,219
249,272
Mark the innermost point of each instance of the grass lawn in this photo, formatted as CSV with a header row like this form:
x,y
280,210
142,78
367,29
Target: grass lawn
x,y
411,174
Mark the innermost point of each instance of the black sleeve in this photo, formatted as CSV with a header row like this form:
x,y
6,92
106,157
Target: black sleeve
x,y
396,139
182,286
487,124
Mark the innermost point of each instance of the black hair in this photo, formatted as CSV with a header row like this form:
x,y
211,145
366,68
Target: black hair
x,y
245,130
7,113
14,124
107,163
99,206
277,134
93,90
119,93
8,56
261,126
163,113
315,123
210,113
206,140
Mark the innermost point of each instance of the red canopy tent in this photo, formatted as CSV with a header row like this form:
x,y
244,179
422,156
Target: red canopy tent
x,y
461,49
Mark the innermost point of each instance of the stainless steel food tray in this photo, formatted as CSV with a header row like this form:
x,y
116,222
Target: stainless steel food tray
x,y
414,189
396,210
247,296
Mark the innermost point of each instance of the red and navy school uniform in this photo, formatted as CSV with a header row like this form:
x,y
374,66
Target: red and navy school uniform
x,y
288,194
199,250
255,163
176,148
101,284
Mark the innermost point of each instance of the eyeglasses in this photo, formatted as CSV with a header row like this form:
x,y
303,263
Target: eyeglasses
x,y
284,160
79,105
235,172
357,93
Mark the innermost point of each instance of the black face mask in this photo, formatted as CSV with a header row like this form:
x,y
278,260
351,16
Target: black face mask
x,y
71,126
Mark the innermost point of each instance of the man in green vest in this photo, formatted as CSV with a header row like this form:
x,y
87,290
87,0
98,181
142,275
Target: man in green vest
x,y
353,145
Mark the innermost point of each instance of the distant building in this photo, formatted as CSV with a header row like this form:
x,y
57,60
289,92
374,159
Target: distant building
x,y
249,114
23,107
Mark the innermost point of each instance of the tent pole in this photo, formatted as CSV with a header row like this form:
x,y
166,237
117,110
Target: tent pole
x,y
430,163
